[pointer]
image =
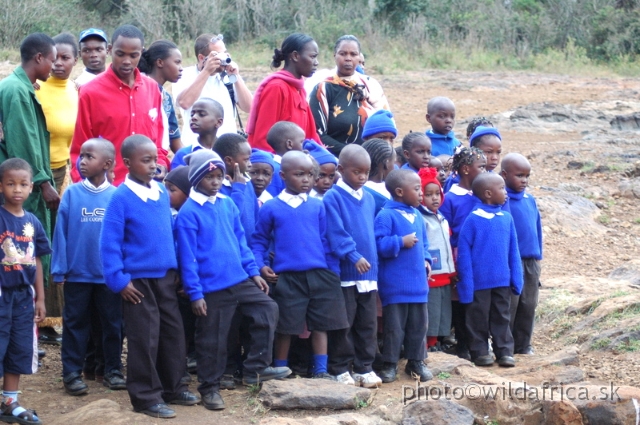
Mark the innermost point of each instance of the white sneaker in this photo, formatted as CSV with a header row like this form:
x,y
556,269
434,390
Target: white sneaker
x,y
367,380
345,378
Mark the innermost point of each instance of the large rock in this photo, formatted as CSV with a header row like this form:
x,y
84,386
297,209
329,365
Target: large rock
x,y
630,188
560,412
341,419
312,394
436,412
629,271
101,412
572,215
605,405
440,362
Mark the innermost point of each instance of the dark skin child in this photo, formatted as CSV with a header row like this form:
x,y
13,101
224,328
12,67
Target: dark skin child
x,y
94,162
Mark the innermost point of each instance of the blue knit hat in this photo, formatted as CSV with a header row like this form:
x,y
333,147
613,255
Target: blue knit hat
x,y
262,157
202,162
483,131
380,122
320,154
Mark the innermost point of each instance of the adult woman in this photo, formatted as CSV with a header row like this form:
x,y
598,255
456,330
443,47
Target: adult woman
x,y
281,96
342,103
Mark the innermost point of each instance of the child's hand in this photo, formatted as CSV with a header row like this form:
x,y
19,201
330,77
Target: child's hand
x,y
199,307
40,312
260,283
131,294
268,275
363,266
428,266
408,241
238,177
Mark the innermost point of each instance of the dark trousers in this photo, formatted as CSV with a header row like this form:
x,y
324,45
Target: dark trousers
x,y
356,344
188,324
405,323
488,315
81,302
155,361
94,359
212,331
523,306
460,326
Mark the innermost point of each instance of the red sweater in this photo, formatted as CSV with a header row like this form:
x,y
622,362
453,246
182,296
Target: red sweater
x,y
112,110
281,102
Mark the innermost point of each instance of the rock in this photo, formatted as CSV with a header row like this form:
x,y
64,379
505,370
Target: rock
x,y
342,419
629,271
436,412
546,375
630,188
575,165
560,413
312,394
575,215
607,405
626,122
440,362
101,412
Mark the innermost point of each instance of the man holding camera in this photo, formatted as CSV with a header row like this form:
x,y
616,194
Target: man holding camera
x,y
215,76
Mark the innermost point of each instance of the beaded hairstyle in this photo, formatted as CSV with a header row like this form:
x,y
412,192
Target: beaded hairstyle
x,y
465,156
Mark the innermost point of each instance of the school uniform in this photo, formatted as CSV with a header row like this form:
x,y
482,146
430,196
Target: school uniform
x,y
244,196
379,192
443,144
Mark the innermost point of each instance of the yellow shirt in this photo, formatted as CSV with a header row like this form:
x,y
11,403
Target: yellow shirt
x,y
59,99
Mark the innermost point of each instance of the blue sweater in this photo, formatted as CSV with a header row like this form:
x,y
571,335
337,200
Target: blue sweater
x,y
350,232
244,196
488,255
76,238
137,238
277,184
457,205
526,218
402,275
378,198
443,144
178,158
299,235
212,247
407,166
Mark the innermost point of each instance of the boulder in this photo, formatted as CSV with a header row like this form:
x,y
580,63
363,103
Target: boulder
x,y
312,394
341,419
573,214
436,412
440,362
561,412
101,412
606,404
629,271
630,188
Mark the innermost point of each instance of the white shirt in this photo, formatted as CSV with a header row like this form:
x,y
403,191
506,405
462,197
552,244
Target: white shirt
x,y
85,77
201,198
293,200
379,188
314,194
358,194
213,88
144,192
264,197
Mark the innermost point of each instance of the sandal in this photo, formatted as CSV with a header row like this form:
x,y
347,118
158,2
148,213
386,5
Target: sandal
x,y
28,417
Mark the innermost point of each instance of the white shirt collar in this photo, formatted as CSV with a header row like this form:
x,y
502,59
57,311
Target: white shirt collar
x,y
144,192
201,198
314,194
379,188
264,197
355,193
409,216
277,158
105,184
293,200
457,190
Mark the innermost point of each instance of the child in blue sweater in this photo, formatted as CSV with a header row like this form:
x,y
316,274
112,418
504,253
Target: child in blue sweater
x,y
382,157
327,166
350,215
403,250
441,114
490,272
207,116
220,276
526,217
139,262
76,263
261,172
283,136
416,148
305,288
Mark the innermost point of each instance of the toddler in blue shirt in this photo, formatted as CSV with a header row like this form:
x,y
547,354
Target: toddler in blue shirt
x,y
441,114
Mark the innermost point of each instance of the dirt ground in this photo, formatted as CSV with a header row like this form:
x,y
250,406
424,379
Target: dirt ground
x,y
474,93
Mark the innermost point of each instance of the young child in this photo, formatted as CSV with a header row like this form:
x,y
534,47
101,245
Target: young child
x,y
489,141
207,116
416,148
490,272
306,289
382,156
404,265
438,166
262,169
350,215
283,136
526,217
442,265
23,241
327,164
400,159
380,125
178,186
235,151
441,114
76,263
139,262
220,276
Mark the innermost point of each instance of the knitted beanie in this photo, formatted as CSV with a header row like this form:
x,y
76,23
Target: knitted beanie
x,y
483,131
180,178
428,176
320,154
380,122
202,162
262,157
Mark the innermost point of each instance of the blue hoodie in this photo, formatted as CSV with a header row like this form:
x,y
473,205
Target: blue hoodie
x,y
443,144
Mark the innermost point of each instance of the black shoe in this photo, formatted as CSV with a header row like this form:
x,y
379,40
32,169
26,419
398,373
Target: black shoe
x,y
227,382
324,375
252,378
185,398
388,372
74,385
528,351
506,361
50,339
159,410
186,378
419,369
486,360
41,353
463,353
213,401
115,381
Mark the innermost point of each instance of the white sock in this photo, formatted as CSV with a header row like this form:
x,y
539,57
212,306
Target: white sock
x,y
10,397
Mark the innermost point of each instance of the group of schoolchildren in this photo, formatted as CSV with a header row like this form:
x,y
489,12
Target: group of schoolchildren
x,y
241,254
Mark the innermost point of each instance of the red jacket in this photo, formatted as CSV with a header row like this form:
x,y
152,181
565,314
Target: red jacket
x,y
112,110
281,102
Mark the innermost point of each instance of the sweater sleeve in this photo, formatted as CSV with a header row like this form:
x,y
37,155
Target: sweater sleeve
x,y
424,238
111,241
515,262
187,238
82,133
388,244
246,256
262,236
237,194
59,264
340,242
465,265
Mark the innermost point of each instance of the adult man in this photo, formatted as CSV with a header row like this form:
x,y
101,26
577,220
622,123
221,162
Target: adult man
x,y
94,47
206,79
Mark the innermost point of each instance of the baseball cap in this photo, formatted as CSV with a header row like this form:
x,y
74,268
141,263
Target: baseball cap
x,y
93,31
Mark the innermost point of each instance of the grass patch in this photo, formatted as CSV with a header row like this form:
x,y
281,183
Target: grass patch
x,y
588,166
600,344
563,324
555,305
444,375
636,220
630,346
361,404
604,219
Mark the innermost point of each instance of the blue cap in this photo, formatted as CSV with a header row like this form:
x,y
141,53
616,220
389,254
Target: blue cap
x,y
483,131
319,153
262,157
93,31
380,122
